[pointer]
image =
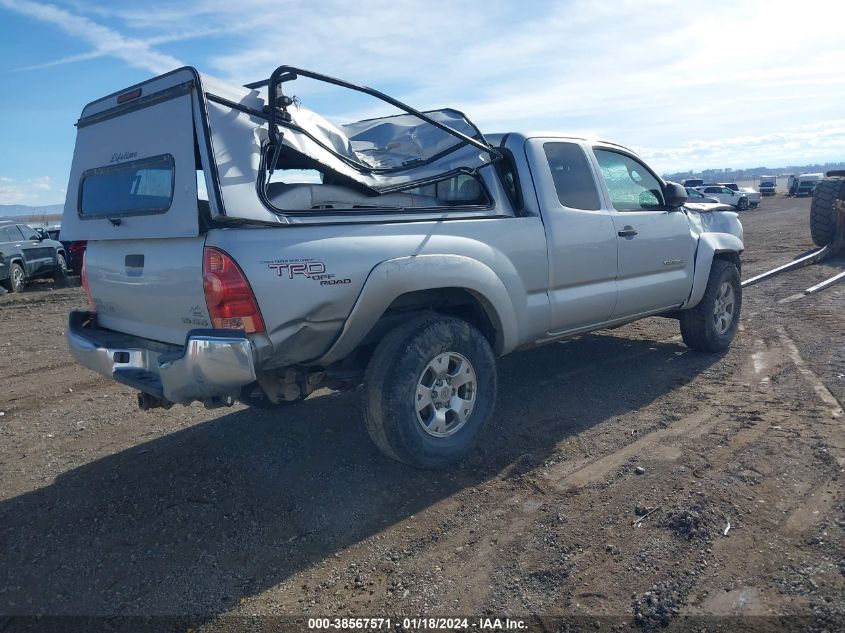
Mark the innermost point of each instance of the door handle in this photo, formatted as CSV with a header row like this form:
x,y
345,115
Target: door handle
x,y
628,231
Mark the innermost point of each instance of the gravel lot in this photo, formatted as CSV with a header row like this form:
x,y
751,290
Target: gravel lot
x,y
603,489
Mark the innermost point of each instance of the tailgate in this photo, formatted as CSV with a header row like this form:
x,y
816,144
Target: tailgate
x,y
151,288
134,171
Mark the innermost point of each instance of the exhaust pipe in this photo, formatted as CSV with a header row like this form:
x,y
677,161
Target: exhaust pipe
x,y
147,402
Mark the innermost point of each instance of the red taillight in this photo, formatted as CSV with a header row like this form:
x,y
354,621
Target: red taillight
x,y
230,301
84,277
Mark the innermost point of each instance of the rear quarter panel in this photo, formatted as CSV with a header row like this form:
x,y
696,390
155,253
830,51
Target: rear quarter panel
x,y
307,279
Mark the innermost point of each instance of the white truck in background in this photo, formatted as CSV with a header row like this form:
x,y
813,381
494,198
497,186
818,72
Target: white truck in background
x,y
806,183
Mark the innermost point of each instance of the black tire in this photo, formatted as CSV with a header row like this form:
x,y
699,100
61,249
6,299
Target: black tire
x,y
17,278
60,272
742,205
823,211
698,324
392,378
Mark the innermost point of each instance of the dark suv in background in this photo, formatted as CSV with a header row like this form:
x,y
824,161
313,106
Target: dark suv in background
x,y
25,255
74,250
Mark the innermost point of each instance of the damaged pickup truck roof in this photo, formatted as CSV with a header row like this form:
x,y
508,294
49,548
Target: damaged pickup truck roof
x,y
359,162
384,153
196,148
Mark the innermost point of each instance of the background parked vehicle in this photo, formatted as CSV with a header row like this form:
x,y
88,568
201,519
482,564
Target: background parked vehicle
x,y
692,182
74,250
697,201
768,185
26,255
726,195
694,195
807,183
753,195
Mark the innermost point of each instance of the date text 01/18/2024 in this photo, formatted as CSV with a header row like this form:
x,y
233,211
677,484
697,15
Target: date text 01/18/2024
x,y
418,623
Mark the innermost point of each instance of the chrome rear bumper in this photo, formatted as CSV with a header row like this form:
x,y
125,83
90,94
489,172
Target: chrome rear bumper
x,y
212,364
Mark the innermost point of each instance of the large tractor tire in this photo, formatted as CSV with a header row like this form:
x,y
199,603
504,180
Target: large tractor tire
x,y
822,210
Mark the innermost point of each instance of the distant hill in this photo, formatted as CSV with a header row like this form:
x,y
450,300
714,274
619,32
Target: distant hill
x,y
751,173
21,210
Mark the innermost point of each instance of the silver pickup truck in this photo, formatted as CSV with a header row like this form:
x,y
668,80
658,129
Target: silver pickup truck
x,y
242,247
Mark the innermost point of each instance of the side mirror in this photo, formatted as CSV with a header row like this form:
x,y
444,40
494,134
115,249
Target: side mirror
x,y
675,194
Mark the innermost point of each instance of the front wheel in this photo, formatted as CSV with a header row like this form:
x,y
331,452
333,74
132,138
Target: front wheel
x,y
430,388
711,325
17,278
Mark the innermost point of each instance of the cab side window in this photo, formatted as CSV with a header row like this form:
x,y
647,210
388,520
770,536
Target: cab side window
x,y
571,174
631,186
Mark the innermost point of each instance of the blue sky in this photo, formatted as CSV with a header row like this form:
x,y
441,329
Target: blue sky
x,y
689,85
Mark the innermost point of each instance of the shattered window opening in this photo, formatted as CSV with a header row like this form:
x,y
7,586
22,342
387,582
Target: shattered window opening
x,y
402,154
300,183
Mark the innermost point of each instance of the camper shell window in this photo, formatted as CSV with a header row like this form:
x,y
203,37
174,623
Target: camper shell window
x,y
139,187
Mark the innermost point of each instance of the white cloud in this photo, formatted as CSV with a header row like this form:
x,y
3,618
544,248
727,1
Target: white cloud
x,y
782,148
688,81
35,191
10,194
43,183
134,52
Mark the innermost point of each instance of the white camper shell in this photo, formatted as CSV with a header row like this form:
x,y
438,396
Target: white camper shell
x,y
160,158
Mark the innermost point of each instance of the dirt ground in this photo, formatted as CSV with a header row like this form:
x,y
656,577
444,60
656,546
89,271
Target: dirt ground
x,y
603,490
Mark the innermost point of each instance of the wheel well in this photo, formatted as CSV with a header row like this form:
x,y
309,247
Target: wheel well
x,y
731,256
456,302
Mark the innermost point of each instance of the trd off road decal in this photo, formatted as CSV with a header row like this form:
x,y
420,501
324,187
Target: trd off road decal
x,y
312,269
195,317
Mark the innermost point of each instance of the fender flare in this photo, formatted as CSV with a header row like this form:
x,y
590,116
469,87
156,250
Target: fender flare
x,y
395,277
709,244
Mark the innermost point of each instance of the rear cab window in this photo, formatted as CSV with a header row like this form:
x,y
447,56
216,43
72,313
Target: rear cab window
x,y
631,186
139,187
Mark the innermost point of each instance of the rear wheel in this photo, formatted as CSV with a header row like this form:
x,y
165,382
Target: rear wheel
x,y
742,205
711,325
823,210
430,388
